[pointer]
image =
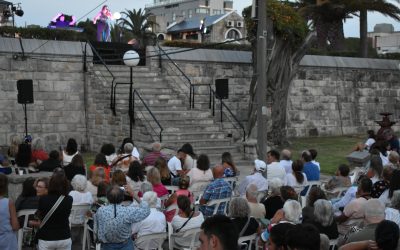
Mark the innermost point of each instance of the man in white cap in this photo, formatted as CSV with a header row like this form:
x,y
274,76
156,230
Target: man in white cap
x,y
256,178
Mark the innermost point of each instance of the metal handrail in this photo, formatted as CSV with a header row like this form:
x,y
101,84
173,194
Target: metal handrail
x,y
148,109
223,104
112,100
190,85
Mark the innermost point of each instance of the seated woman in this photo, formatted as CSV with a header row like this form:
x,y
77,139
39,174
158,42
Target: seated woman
x,y
28,198
154,223
42,186
101,162
120,179
70,151
101,196
109,151
393,186
323,219
375,169
186,219
79,195
51,163
8,222
13,148
229,165
297,179
161,165
239,211
341,178
182,191
392,213
202,172
124,159
134,152
135,176
153,176
380,186
24,155
77,166
38,153
315,194
97,176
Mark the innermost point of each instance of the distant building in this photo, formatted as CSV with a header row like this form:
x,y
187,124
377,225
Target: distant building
x,y
6,14
211,29
384,39
167,12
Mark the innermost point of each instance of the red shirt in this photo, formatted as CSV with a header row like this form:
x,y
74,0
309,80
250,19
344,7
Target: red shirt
x,y
39,155
106,172
150,159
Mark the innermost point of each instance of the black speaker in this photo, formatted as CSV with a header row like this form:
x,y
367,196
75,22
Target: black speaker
x,y
221,88
25,91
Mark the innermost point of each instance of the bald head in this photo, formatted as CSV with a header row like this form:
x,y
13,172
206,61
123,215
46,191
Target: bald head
x,y
115,195
251,192
156,147
286,154
218,171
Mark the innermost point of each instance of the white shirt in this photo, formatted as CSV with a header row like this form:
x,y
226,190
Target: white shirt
x,y
91,189
68,158
385,159
274,170
392,215
79,198
256,179
348,196
197,175
287,165
384,198
368,143
194,222
135,153
111,158
291,181
174,164
316,163
154,223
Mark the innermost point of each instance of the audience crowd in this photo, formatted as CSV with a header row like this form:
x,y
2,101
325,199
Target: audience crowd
x,y
282,204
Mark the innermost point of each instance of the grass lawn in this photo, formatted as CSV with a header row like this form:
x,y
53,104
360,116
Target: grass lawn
x,y
332,151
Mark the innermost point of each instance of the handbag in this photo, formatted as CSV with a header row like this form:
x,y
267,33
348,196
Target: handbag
x,y
47,217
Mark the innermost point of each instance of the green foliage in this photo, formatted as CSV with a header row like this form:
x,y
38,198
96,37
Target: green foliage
x,y
352,45
43,33
288,24
226,46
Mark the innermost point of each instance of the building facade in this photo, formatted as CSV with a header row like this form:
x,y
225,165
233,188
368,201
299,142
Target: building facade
x,y
384,39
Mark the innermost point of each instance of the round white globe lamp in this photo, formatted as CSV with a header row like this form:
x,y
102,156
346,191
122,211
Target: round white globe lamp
x,y
131,58
117,15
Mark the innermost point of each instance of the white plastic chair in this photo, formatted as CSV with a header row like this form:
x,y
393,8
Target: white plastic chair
x,y
199,186
193,234
232,181
86,235
26,213
219,202
145,242
336,192
77,218
252,239
309,185
333,244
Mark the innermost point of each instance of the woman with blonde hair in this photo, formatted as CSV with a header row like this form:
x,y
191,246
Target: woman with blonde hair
x,y
153,176
161,165
13,149
97,176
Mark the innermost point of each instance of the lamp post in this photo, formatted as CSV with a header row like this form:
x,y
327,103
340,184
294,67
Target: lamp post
x,y
131,59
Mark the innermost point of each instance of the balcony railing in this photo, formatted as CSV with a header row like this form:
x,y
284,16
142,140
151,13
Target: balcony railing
x,y
166,2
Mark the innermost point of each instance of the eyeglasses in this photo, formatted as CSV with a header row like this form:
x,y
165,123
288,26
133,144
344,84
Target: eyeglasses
x,y
37,186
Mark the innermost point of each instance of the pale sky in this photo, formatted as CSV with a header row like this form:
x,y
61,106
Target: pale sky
x,y
42,11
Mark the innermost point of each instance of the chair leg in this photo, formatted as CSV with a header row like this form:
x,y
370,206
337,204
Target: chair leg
x,y
84,238
20,236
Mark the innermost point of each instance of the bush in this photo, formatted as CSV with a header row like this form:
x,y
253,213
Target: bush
x,y
43,33
226,46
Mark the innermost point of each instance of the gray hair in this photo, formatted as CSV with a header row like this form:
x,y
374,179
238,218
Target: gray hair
x,y
324,242
128,147
79,183
393,157
151,198
292,210
239,208
145,187
275,185
374,209
252,191
286,154
395,201
156,146
38,144
323,212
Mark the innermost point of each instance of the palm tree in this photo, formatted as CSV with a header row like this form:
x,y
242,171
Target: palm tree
x,y
138,24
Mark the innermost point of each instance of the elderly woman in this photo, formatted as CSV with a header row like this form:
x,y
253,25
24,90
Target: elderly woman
x,y
290,213
323,214
38,153
239,212
124,160
392,213
202,171
274,201
153,176
315,194
154,223
79,195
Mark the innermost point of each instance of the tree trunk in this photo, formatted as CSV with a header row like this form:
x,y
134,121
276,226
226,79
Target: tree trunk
x,y
363,33
336,35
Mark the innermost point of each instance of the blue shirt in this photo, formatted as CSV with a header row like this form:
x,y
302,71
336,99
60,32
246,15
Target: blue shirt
x,y
312,171
118,229
218,189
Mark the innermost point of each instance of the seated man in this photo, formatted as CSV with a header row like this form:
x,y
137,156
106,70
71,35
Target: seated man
x,y
218,233
256,178
374,214
354,212
341,178
217,189
310,169
286,161
175,165
274,169
151,157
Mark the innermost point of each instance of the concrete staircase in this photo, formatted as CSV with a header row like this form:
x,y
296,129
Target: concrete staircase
x,y
171,108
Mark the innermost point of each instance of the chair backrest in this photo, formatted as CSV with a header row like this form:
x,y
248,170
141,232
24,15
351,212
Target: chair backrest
x,y
219,202
163,199
250,238
261,195
147,242
333,243
232,181
199,186
303,199
337,192
78,214
26,213
193,234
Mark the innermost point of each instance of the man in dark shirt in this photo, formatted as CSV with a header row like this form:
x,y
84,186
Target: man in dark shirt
x,y
52,163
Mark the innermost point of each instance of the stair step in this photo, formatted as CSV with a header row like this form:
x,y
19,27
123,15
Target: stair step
x,y
193,135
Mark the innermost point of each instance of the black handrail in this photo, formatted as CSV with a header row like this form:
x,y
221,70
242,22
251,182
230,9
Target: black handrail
x,y
222,104
190,85
148,109
112,100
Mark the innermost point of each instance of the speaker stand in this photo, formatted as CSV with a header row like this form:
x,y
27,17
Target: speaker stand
x,y
26,119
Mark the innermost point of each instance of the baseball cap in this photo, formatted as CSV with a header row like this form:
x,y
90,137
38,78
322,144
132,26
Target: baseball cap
x,y
260,165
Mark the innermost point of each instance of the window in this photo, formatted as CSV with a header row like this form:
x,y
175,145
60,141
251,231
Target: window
x,y
183,13
206,3
217,12
202,11
173,16
233,34
190,13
